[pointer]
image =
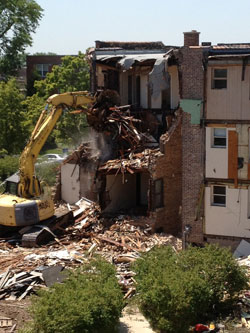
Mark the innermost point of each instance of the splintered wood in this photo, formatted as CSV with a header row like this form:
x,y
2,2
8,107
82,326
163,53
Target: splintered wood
x,y
120,240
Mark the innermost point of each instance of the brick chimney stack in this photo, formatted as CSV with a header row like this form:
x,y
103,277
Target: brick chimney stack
x,y
191,38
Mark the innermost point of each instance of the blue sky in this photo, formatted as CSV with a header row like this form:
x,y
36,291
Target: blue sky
x,y
69,26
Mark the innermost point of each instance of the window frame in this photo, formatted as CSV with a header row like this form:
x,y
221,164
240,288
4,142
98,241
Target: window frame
x,y
218,195
214,137
42,71
218,78
158,195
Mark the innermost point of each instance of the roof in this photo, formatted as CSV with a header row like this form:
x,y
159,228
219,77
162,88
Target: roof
x,y
129,45
227,56
222,46
13,178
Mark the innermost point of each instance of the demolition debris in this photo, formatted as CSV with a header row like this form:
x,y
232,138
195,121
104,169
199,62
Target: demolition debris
x,y
120,240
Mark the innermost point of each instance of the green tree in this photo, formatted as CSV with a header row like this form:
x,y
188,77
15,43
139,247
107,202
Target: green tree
x,y
33,106
12,136
71,75
18,20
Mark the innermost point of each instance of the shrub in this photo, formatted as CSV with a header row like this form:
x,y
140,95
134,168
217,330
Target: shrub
x,y
176,290
90,300
8,166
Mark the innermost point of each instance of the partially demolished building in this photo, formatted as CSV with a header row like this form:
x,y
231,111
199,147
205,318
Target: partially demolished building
x,y
178,151
138,142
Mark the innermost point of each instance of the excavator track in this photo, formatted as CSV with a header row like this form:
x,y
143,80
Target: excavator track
x,y
47,230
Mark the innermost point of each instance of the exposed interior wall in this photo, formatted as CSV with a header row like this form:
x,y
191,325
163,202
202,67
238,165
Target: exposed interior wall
x,y
231,220
128,195
156,101
100,77
175,96
232,102
70,184
87,187
124,87
146,101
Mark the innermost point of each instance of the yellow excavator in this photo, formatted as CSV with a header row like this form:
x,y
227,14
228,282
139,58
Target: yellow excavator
x,y
24,201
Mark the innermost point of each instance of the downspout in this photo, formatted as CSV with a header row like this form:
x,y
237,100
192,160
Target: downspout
x,y
204,109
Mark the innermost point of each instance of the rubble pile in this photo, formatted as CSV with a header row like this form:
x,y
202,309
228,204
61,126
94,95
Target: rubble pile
x,y
120,240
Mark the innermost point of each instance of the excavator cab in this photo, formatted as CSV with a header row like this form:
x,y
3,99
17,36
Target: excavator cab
x,y
12,184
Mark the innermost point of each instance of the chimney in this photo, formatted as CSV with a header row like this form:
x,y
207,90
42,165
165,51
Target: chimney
x,y
191,38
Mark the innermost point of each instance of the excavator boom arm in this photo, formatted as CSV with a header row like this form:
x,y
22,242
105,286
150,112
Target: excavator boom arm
x,y
29,185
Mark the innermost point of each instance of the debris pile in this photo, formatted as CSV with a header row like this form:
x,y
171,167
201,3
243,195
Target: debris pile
x,y
15,286
120,124
134,162
120,240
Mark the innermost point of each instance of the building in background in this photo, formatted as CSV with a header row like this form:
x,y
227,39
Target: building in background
x,y
37,66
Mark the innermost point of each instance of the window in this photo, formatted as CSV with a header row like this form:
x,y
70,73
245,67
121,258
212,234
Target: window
x,y
219,78
219,196
219,139
158,193
42,69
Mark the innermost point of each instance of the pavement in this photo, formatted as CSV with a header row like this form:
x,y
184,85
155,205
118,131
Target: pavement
x,y
132,321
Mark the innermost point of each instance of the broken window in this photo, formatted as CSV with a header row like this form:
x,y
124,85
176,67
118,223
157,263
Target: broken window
x,y
42,69
219,78
219,196
158,193
219,139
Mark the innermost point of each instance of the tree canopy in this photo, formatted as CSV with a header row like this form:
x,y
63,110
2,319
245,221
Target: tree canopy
x,y
71,75
12,136
18,20
18,115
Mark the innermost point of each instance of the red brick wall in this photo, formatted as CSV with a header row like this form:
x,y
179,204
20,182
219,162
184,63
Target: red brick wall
x,y
192,78
192,174
34,60
191,38
168,167
192,74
